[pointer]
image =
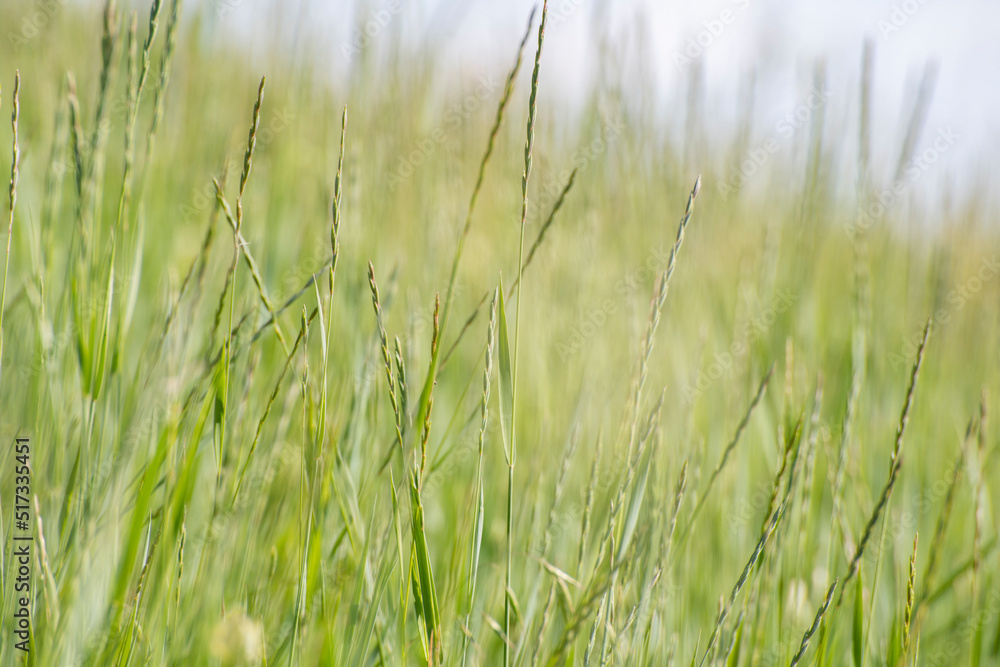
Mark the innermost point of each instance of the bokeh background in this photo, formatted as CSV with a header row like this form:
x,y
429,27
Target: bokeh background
x,y
847,198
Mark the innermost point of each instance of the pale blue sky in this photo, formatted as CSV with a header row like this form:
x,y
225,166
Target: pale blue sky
x,y
781,39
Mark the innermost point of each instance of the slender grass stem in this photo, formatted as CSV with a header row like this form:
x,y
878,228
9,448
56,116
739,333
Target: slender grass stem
x,y
529,144
12,201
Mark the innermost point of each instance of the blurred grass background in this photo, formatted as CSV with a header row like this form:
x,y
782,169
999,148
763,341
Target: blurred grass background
x,y
775,273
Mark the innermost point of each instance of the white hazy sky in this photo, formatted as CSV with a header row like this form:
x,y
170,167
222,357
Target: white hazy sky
x,y
781,39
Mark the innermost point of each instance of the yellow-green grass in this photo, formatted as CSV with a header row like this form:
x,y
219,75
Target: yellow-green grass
x,y
210,491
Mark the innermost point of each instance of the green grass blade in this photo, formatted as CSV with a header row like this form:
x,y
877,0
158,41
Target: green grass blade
x,y
858,624
427,604
506,392
733,660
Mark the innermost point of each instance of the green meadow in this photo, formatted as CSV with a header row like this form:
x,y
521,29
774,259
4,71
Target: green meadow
x,y
406,367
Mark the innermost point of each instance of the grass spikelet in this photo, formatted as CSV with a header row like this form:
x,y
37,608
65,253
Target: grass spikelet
x,y
883,500
401,386
263,418
908,611
678,499
338,191
491,142
237,245
236,224
165,65
76,139
109,41
248,155
12,201
49,589
477,530
453,277
539,636
196,271
336,213
727,607
138,71
527,262
162,82
328,328
426,434
593,631
132,107
812,628
154,22
941,527
90,192
544,229
788,459
895,461
808,467
387,362
904,417
528,145
656,306
740,428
